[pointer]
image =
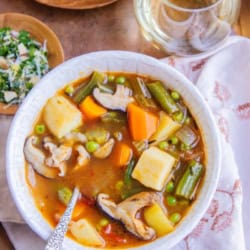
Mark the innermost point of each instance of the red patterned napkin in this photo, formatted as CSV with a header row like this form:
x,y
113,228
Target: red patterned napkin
x,y
223,79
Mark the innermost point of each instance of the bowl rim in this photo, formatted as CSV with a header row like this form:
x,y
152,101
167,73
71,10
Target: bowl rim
x,y
79,6
11,110
186,226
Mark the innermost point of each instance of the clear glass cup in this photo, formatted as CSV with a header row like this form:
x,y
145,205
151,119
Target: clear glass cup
x,y
186,27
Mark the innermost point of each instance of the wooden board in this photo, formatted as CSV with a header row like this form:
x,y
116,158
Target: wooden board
x,y
243,25
40,32
76,4
5,243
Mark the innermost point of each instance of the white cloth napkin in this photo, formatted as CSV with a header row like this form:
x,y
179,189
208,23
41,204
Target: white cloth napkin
x,y
223,80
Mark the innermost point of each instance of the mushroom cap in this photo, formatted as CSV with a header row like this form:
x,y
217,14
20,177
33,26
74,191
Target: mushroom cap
x,y
127,210
36,158
118,101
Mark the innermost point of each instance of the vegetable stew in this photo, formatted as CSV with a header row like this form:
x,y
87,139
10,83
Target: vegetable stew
x,y
131,146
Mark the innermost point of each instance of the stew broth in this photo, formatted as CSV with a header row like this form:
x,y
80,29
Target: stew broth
x,y
110,174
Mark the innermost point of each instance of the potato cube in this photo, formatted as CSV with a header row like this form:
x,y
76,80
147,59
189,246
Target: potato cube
x,y
61,116
167,127
84,232
153,168
156,218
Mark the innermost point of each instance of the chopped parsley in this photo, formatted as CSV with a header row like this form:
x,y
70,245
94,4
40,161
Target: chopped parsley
x,y
23,62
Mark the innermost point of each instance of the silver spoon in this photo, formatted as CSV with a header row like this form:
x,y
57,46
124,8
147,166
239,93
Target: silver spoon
x,y
56,238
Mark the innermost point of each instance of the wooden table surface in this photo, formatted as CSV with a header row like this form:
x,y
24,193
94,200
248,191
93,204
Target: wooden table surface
x,y
110,27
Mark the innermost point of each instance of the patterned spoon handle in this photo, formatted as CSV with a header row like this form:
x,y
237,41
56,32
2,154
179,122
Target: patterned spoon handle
x,y
57,236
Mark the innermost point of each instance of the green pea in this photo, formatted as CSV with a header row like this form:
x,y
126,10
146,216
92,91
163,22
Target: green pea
x,y
111,78
170,187
174,140
171,200
103,222
92,146
69,90
120,80
175,217
163,145
40,129
175,95
178,116
187,121
119,185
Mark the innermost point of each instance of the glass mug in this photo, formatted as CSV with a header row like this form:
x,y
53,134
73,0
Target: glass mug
x,y
186,27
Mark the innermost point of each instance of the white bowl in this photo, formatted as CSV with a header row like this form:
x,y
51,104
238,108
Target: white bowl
x,y
109,61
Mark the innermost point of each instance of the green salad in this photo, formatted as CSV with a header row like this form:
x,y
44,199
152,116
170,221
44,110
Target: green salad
x,y
23,61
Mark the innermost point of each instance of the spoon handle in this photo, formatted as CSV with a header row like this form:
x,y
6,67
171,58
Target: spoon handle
x,y
57,236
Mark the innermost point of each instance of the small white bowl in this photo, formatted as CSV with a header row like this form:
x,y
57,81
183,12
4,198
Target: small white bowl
x,y
114,61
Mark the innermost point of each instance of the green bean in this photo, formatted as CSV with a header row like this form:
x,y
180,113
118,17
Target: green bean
x,y
189,180
162,96
128,172
86,89
114,116
131,191
142,94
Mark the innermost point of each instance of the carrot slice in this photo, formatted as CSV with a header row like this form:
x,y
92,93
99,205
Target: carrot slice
x,y
90,109
122,154
142,124
79,208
